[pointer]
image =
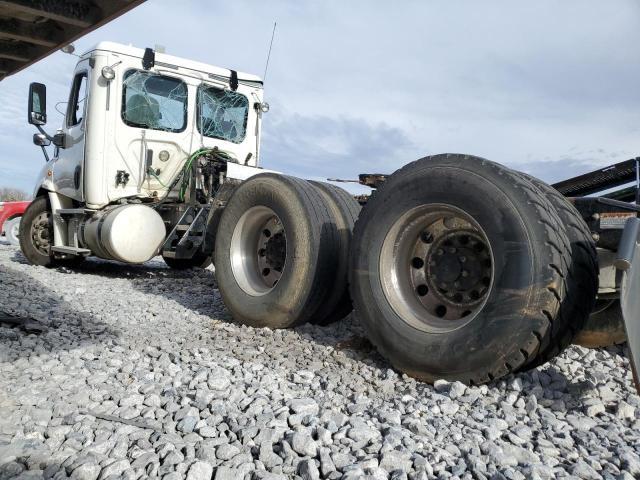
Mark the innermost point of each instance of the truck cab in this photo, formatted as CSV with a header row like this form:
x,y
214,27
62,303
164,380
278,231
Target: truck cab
x,y
134,119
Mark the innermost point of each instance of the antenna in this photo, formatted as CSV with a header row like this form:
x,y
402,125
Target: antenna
x,y
273,34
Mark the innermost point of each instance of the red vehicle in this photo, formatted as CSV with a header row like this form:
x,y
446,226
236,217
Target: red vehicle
x,y
10,215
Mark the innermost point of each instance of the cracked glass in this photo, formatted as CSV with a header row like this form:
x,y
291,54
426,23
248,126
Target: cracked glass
x,y
222,114
157,102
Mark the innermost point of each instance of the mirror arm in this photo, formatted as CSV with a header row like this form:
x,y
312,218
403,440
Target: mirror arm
x,y
41,130
44,152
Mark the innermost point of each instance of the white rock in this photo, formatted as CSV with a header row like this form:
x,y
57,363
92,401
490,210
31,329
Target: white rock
x,y
200,471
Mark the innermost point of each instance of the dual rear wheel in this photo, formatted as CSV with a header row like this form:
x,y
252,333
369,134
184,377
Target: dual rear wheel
x,y
458,268
281,251
465,270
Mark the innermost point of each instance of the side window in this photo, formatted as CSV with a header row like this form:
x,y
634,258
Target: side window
x,y
77,100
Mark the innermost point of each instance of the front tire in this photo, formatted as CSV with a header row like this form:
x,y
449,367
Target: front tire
x,y
12,231
431,222
36,233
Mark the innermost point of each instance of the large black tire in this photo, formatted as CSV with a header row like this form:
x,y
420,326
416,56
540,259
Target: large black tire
x,y
38,212
581,280
344,210
300,275
199,260
528,266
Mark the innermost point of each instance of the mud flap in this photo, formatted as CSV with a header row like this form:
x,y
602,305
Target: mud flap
x,y
629,262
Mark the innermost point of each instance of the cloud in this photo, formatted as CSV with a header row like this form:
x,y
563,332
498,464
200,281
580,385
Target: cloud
x,y
321,146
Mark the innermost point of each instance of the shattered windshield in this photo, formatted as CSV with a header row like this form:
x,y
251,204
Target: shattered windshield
x,y
222,114
154,101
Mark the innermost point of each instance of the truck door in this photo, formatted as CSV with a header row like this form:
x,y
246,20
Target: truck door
x,y
152,136
68,167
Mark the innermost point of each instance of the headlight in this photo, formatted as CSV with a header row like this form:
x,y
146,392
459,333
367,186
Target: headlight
x,y
108,73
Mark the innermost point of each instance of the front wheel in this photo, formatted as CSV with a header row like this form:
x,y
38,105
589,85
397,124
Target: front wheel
x,y
36,236
11,231
36,233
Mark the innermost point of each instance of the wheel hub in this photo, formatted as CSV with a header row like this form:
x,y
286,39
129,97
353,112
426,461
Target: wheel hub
x,y
40,233
275,251
459,268
436,267
258,250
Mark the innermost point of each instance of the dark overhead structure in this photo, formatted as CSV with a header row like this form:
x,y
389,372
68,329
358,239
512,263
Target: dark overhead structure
x,y
32,29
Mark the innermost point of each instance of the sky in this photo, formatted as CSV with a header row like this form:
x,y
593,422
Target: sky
x,y
549,87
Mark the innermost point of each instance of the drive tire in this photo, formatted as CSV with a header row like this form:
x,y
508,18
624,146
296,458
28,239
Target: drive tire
x,y
528,264
307,261
36,212
11,230
581,279
199,260
344,210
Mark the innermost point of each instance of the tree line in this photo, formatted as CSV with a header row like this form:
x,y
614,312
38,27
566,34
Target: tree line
x,y
8,194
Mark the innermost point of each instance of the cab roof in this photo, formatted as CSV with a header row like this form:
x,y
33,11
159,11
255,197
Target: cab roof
x,y
171,61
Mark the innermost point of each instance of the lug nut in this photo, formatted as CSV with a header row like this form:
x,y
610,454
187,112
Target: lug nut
x,y
426,237
462,259
465,273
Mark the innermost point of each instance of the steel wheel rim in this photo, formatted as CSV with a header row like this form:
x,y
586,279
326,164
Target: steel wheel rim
x,y
436,268
258,251
40,233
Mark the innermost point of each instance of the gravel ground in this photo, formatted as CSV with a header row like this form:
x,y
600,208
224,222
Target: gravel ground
x,y
139,372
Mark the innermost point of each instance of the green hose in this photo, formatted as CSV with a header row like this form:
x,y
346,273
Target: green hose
x,y
152,173
194,156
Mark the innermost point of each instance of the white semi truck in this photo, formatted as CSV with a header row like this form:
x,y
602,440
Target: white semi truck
x,y
458,267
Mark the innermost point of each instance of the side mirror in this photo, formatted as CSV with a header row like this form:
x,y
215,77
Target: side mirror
x,y
37,114
40,140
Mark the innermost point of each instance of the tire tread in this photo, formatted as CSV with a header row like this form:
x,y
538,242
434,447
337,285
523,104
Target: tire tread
x,y
549,299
